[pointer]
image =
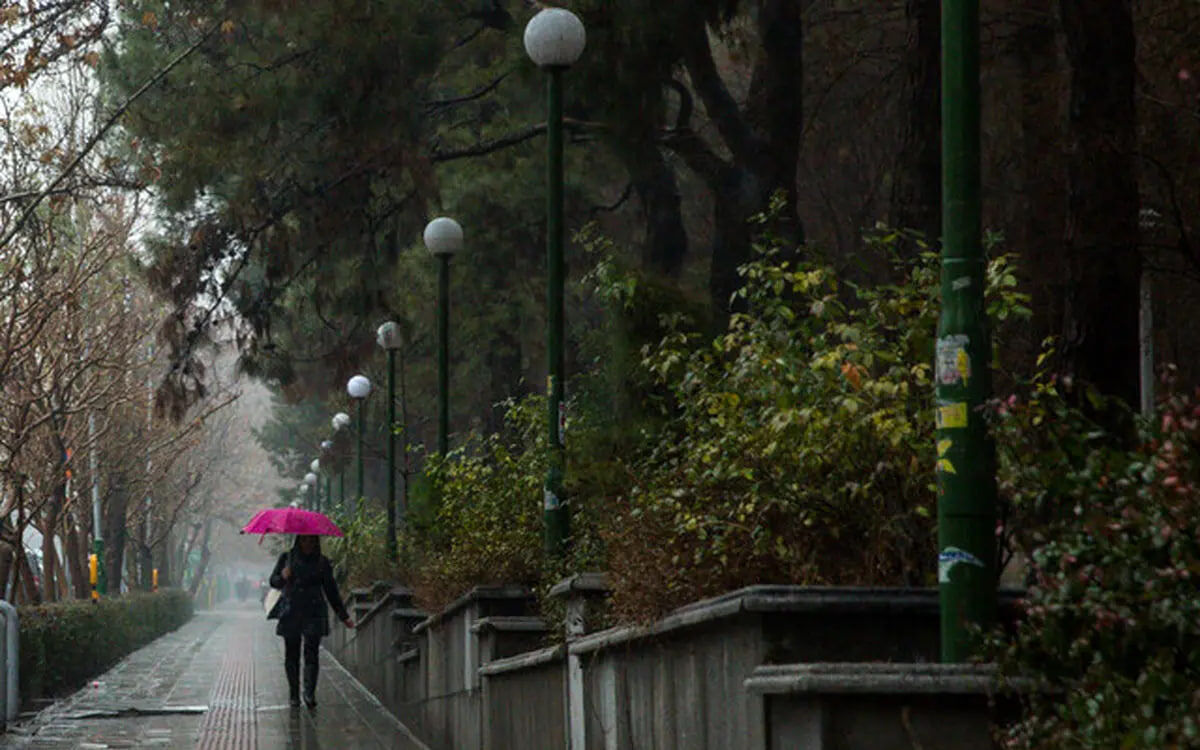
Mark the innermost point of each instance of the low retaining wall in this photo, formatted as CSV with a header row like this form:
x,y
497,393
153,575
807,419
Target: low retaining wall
x,y
879,706
719,674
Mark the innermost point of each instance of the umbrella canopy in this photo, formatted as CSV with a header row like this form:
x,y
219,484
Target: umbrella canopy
x,y
291,521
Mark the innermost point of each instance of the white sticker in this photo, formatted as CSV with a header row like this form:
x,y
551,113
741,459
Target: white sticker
x,y
549,499
953,364
952,556
962,282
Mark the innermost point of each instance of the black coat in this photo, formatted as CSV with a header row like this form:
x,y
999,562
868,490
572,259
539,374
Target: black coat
x,y
311,585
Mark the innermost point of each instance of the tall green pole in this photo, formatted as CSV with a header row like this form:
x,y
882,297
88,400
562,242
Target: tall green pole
x,y
391,477
966,456
556,515
362,436
443,324
328,493
342,490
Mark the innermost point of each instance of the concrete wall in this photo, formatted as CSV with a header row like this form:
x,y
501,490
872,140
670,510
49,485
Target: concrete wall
x,y
486,674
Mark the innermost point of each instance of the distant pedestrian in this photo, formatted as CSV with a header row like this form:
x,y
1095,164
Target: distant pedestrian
x,y
306,578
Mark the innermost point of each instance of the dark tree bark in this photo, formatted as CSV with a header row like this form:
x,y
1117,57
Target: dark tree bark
x,y
115,535
763,138
916,201
666,243
1043,182
205,556
50,518
1100,319
73,549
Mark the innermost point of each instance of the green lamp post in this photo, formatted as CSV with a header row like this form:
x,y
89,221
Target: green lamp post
x,y
443,237
388,336
554,40
311,486
341,421
315,467
966,456
359,387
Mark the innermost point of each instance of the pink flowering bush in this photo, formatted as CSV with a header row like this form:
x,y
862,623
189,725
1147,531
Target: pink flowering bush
x,y
1111,527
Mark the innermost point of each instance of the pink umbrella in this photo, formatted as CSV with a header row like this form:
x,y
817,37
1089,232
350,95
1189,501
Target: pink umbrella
x,y
291,521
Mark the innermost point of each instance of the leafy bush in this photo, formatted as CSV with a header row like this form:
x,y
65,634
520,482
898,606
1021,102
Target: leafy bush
x,y
797,446
65,644
801,447
1111,631
485,527
360,558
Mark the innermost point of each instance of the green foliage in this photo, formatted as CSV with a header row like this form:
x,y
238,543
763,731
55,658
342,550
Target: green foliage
x,y
64,644
795,447
361,558
486,527
1111,629
800,442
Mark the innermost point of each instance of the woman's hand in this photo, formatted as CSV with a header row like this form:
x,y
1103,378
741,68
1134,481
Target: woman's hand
x,y
348,623
287,573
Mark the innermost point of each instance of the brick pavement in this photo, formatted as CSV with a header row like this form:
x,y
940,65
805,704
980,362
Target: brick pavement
x,y
217,682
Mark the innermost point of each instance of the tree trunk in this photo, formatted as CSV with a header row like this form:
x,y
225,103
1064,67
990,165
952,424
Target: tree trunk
x,y
917,182
666,241
31,594
49,556
164,560
7,557
731,239
115,535
1100,320
205,554
74,560
1042,180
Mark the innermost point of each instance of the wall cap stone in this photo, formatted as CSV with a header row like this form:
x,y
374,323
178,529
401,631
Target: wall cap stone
x,y
584,583
823,600
478,593
527,660
875,678
511,625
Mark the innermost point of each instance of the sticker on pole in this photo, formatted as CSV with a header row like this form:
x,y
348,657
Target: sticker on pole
x,y
952,416
953,362
550,501
952,556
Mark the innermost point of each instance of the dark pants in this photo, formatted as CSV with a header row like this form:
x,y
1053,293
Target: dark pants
x,y
291,664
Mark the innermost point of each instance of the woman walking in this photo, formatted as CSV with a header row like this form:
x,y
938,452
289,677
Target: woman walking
x,y
306,578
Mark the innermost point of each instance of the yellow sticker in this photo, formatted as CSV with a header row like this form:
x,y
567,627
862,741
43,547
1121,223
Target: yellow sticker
x,y
944,465
952,416
963,365
944,447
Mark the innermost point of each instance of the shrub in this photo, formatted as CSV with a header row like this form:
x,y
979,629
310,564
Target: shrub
x,y
65,644
360,558
1111,527
488,521
799,445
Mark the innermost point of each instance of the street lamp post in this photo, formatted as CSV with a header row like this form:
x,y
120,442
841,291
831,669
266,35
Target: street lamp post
x,y
341,421
390,339
359,387
326,447
555,39
310,484
315,466
966,455
443,237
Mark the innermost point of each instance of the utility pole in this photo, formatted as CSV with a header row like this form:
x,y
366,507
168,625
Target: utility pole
x,y
966,457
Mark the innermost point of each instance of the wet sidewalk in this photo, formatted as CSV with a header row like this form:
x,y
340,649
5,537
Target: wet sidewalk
x,y
217,682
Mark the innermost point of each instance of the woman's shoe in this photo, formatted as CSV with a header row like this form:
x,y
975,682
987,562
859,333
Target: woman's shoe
x,y
294,701
310,700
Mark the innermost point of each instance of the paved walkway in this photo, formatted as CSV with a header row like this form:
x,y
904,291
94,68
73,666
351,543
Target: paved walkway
x,y
217,682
